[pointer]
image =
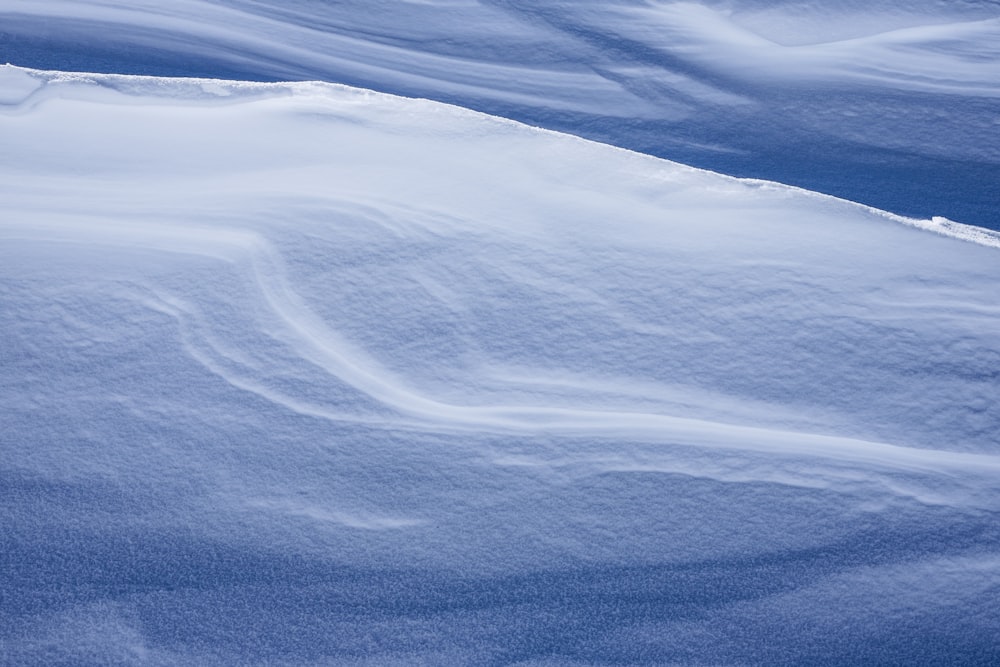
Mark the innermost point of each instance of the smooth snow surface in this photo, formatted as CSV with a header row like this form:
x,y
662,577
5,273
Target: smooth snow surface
x,y
895,104
306,374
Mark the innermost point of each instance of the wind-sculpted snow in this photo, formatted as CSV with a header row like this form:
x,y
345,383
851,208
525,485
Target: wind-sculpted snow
x,y
301,373
890,103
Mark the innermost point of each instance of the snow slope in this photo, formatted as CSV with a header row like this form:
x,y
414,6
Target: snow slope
x,y
894,104
307,374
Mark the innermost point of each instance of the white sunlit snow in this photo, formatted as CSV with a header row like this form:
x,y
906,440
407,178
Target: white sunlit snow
x,y
302,373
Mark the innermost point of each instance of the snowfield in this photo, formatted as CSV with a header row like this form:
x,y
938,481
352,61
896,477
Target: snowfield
x,y
892,103
299,373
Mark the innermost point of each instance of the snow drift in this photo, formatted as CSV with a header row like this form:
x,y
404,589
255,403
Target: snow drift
x,y
301,373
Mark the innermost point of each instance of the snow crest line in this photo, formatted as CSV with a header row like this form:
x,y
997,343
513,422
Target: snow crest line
x,y
21,89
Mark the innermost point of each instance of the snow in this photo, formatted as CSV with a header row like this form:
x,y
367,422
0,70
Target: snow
x,y
300,373
867,100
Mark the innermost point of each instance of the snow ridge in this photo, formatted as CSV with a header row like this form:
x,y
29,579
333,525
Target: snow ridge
x,y
868,101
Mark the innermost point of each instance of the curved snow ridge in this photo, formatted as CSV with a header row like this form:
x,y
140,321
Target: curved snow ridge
x,y
314,340
913,85
25,87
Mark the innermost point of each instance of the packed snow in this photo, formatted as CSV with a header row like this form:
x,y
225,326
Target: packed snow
x,y
894,104
299,373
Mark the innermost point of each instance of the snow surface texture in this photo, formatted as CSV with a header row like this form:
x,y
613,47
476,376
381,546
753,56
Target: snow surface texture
x,y
305,374
889,102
